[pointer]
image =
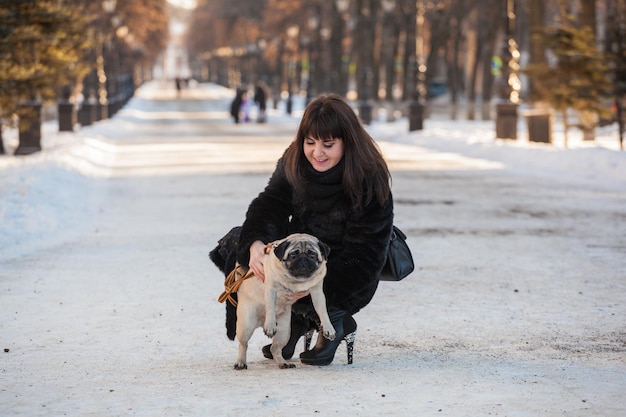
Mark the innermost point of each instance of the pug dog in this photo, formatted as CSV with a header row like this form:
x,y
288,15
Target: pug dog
x,y
294,264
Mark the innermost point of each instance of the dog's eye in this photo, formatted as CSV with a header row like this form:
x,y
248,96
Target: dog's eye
x,y
294,254
312,254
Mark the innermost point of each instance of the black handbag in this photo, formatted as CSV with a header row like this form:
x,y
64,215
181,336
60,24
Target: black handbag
x,y
399,262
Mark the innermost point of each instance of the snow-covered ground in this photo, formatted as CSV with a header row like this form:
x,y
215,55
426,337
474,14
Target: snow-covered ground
x,y
108,299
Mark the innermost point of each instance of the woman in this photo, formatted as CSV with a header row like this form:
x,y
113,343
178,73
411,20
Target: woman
x,y
332,182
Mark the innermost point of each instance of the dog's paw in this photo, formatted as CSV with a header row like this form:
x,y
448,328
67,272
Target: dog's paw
x,y
269,330
240,366
286,366
329,334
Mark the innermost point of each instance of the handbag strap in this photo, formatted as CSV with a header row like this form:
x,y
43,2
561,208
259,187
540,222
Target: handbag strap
x,y
396,232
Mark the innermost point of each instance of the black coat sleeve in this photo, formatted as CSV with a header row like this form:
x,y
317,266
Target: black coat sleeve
x,y
267,218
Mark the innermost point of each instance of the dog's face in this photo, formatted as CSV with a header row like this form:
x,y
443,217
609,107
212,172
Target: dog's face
x,y
302,255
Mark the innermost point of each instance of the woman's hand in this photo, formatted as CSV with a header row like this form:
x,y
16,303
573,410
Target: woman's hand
x,y
257,254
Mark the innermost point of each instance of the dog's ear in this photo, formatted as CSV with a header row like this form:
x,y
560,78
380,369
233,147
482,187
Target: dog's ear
x,y
324,248
279,250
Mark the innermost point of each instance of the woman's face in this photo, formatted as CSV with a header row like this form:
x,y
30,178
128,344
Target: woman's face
x,y
323,155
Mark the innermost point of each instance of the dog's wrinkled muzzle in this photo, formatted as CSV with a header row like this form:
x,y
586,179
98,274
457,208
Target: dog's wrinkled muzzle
x,y
302,267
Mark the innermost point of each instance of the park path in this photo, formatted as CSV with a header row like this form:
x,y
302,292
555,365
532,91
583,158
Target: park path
x,y
515,309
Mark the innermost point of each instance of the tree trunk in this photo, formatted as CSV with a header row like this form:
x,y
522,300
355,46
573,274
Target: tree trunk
x,y
565,126
389,52
2,151
365,35
587,15
488,53
537,12
439,24
587,18
456,68
336,67
410,79
621,119
588,122
476,52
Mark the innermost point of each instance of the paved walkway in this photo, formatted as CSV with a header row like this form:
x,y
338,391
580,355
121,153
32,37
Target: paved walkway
x,y
516,308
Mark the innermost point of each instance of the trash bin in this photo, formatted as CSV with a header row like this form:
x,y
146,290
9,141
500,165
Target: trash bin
x,y
506,120
87,113
67,116
365,112
29,128
416,116
539,126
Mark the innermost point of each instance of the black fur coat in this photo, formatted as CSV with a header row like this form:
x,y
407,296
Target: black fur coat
x,y
358,239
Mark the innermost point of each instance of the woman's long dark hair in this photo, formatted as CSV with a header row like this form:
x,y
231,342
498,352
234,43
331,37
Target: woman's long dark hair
x,y
366,177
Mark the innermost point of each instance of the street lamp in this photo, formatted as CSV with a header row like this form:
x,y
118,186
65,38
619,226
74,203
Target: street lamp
x,y
418,73
509,83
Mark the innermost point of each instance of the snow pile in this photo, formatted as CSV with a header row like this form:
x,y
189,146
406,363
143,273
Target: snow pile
x,y
42,205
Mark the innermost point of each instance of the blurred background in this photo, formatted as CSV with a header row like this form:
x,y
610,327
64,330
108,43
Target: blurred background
x,y
81,61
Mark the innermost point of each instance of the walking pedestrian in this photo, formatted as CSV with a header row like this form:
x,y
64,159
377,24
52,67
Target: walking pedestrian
x,y
179,85
331,182
260,98
246,106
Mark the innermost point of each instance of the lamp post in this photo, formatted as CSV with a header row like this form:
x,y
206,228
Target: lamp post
x,y
509,83
417,66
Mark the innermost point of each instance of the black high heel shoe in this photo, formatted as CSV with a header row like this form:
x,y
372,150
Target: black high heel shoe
x,y
324,351
298,329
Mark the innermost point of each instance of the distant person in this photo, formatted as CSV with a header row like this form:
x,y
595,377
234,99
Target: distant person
x,y
178,86
260,98
246,106
236,106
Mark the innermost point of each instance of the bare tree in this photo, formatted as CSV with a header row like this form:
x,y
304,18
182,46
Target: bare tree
x,y
489,51
456,68
475,52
